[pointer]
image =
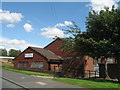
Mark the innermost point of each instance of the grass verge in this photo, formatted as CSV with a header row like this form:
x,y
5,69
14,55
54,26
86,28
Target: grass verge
x,y
6,64
27,72
88,83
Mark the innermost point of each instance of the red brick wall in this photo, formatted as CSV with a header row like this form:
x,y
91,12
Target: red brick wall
x,y
78,67
55,47
52,66
89,63
57,44
36,57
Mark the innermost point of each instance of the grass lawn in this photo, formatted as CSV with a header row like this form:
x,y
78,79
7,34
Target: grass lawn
x,y
27,72
6,64
89,83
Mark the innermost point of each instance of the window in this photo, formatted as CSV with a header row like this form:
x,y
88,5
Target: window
x,y
78,57
37,65
22,64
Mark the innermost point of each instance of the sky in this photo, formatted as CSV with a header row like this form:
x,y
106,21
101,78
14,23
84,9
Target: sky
x,y
37,23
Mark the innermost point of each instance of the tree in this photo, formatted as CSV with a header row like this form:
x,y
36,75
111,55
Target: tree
x,y
102,37
69,42
3,52
14,53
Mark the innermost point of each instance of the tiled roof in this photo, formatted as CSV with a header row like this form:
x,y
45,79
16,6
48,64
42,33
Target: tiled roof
x,y
47,53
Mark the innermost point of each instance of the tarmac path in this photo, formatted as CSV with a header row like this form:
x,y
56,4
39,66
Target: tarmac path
x,y
7,84
28,81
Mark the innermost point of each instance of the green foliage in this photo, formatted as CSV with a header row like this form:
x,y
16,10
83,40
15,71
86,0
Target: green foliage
x,y
75,30
3,52
14,53
102,37
69,43
11,52
104,28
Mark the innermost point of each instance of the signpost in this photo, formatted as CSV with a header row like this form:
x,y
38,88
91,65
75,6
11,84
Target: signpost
x,y
28,55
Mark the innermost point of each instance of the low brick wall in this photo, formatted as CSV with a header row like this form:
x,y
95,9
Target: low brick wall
x,y
112,71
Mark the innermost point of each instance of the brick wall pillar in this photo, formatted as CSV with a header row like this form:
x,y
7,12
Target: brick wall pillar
x,y
15,64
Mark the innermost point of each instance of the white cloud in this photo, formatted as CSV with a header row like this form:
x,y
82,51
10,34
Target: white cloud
x,y
10,25
66,23
14,44
98,5
28,27
8,17
51,32
60,24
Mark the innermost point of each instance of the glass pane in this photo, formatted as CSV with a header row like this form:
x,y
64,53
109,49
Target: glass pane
x,y
37,64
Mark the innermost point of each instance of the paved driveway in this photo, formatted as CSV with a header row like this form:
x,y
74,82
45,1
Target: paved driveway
x,y
29,81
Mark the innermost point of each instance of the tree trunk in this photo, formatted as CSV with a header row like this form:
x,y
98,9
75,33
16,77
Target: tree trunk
x,y
118,63
106,69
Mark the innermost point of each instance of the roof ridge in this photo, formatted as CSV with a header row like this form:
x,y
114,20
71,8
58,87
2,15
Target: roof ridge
x,y
34,47
55,54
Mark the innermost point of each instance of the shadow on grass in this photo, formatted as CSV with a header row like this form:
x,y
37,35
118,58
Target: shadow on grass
x,y
100,80
105,89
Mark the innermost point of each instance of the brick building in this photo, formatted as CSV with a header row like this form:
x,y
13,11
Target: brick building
x,y
37,59
46,58
55,47
72,61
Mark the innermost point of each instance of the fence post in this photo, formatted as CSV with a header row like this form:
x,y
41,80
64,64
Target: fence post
x,y
74,73
54,71
95,73
89,73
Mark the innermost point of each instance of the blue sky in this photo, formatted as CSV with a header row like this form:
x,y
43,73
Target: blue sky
x,y
36,23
